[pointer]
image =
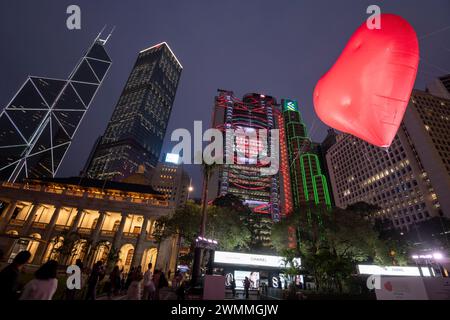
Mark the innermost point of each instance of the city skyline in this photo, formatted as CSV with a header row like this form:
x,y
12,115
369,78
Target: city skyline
x,y
203,50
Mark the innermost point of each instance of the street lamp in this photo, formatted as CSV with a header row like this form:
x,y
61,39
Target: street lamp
x,y
190,189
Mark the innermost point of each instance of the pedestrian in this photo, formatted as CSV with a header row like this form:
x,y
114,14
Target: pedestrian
x,y
9,277
95,277
181,291
113,286
156,280
247,287
134,290
149,286
44,284
129,278
233,287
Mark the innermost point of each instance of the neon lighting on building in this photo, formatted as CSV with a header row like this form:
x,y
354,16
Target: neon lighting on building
x,y
243,179
307,181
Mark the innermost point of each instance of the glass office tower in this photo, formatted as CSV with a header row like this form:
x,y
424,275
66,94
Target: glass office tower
x,y
135,133
38,125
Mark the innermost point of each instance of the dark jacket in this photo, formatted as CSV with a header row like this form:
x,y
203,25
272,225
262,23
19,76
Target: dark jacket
x,y
9,283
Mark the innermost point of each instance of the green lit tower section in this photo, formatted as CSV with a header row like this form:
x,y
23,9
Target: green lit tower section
x,y
307,181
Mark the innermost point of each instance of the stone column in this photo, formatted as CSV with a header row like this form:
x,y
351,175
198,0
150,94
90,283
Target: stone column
x,y
42,249
4,220
30,219
119,233
76,222
88,260
139,250
98,227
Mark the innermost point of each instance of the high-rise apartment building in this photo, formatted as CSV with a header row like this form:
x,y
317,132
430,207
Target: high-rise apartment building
x,y
38,125
410,181
135,133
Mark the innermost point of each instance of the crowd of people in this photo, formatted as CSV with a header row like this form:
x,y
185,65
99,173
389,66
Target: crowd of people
x,y
133,285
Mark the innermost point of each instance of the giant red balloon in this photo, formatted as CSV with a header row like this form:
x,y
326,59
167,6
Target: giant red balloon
x,y
367,90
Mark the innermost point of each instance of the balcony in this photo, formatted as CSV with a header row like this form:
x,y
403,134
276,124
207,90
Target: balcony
x,y
61,228
130,235
108,233
84,231
39,225
16,223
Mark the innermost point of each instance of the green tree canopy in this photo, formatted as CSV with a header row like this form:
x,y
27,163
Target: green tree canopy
x,y
224,225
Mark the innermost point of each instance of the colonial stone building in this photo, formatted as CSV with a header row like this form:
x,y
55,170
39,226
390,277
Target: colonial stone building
x,y
73,218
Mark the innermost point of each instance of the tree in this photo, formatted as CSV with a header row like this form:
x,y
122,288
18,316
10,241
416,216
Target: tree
x,y
256,224
224,225
331,241
184,223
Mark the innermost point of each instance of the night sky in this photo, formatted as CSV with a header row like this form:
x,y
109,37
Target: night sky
x,y
279,48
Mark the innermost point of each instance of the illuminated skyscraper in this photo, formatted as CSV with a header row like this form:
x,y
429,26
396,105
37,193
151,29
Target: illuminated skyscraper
x,y
38,125
135,133
306,179
253,112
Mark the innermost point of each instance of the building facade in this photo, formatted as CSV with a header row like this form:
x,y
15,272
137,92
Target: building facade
x,y
71,218
440,87
243,178
38,125
135,133
308,183
167,178
410,181
172,180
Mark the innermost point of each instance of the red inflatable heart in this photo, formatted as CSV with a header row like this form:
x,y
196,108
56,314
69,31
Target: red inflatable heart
x,y
367,90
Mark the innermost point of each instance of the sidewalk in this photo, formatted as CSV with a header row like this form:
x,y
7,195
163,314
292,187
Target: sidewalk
x,y
164,294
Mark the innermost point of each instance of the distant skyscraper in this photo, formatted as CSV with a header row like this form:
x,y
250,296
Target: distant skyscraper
x,y
38,125
308,184
168,178
172,180
411,182
135,133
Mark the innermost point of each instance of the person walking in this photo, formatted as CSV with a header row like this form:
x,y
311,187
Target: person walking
x,y
9,277
156,280
233,287
44,284
129,279
134,290
247,287
95,277
114,282
181,291
149,286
